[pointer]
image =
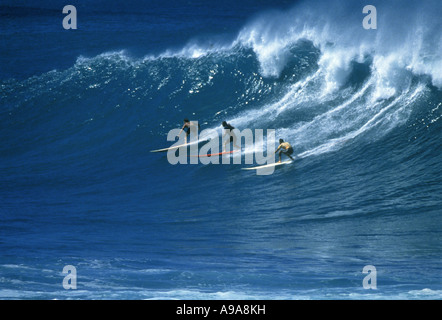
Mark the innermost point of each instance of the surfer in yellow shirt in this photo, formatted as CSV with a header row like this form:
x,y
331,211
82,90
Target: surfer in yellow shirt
x,y
286,149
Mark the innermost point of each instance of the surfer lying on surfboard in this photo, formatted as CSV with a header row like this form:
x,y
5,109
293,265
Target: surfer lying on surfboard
x,y
189,125
286,149
232,135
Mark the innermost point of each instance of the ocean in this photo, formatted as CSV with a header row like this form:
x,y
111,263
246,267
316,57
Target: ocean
x,y
81,109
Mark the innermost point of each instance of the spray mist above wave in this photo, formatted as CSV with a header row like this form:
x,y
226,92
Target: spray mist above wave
x,y
408,36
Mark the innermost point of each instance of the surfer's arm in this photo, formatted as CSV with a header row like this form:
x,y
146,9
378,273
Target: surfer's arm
x,y
278,149
182,129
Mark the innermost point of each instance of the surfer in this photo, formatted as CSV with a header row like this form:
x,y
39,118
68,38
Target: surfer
x,y
231,134
189,125
286,149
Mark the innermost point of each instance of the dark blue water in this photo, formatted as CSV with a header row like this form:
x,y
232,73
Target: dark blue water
x,y
81,109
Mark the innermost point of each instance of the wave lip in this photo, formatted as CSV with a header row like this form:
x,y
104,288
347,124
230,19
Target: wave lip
x,y
411,38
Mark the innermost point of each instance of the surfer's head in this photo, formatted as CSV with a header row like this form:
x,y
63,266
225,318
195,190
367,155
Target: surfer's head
x,y
281,141
186,120
224,124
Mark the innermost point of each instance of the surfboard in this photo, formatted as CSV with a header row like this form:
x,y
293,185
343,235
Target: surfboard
x,y
216,154
176,147
269,165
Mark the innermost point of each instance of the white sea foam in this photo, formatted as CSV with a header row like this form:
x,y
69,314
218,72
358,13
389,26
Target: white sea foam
x,y
410,39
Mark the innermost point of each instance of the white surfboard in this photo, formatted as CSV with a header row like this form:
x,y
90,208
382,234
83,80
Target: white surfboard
x,y
269,165
179,146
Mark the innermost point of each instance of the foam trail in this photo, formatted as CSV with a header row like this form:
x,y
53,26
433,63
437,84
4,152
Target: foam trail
x,y
295,95
376,120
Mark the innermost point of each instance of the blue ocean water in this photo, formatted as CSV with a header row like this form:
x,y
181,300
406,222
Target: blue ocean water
x,y
81,109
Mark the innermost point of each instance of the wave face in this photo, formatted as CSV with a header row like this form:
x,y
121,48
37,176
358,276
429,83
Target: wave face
x,y
362,109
